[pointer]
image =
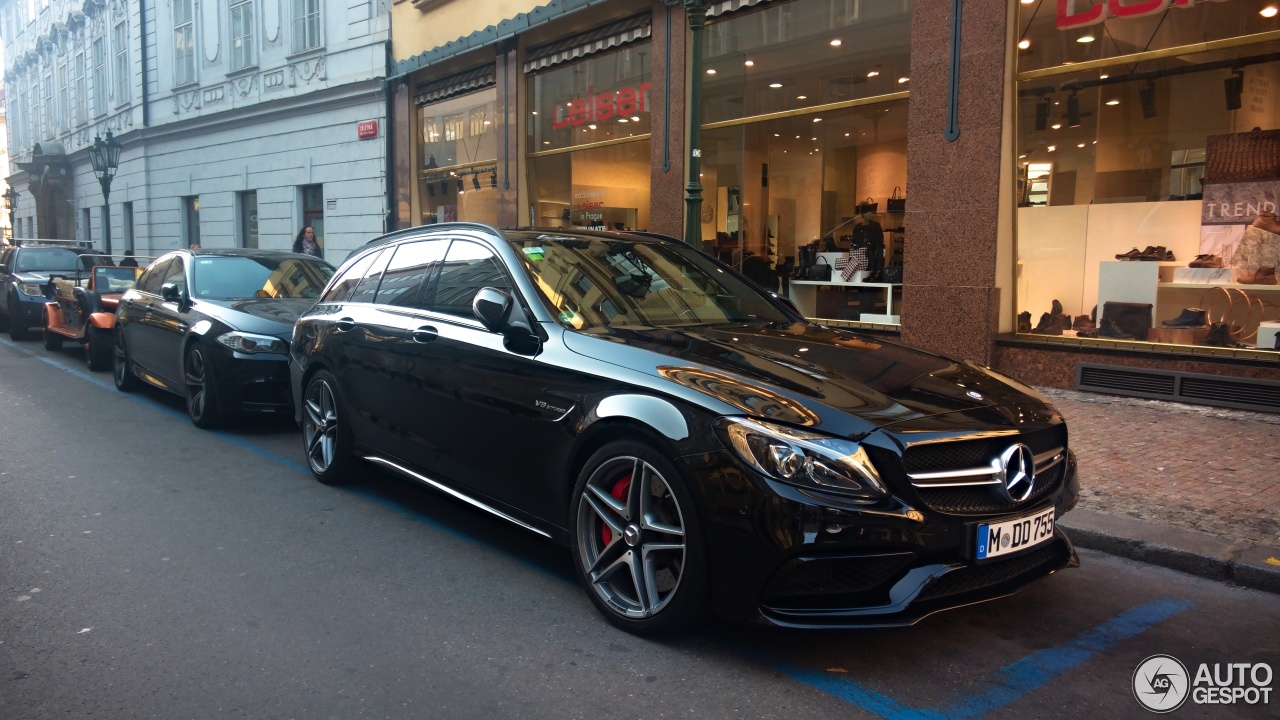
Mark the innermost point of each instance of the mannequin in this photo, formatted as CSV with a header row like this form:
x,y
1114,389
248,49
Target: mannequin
x,y
870,234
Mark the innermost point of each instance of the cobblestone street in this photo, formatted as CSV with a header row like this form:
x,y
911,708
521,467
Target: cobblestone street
x,y
1199,468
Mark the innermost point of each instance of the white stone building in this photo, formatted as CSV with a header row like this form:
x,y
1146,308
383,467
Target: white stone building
x,y
240,120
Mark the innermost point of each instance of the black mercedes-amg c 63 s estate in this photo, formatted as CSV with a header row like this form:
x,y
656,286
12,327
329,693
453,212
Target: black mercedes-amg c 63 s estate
x,y
699,446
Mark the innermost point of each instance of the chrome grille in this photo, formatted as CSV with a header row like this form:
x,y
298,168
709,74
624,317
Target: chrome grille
x,y
963,476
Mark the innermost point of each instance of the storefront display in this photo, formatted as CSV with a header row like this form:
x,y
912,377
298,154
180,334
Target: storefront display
x,y
458,148
1149,159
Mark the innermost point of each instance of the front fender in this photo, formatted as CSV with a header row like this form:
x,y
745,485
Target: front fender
x,y
102,320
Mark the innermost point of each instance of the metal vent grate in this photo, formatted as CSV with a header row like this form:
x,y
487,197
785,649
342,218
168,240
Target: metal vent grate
x,y
1198,389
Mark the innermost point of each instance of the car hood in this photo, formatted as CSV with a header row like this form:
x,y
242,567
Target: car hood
x,y
801,373
266,316
41,277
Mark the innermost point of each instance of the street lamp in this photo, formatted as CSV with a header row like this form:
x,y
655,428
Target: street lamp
x,y
696,11
105,156
11,204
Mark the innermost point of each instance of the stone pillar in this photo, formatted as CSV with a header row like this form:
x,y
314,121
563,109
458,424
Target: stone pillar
x,y
510,168
666,180
401,125
951,301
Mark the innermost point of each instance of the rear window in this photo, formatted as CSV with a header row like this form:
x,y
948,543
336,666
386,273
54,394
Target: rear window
x,y
242,278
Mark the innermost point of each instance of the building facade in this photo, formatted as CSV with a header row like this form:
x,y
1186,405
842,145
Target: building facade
x,y
1035,138
239,120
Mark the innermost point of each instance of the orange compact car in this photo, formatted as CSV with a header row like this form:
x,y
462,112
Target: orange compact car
x,y
82,309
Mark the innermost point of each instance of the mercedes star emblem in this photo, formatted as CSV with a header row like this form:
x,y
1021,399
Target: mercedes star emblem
x,y
1017,472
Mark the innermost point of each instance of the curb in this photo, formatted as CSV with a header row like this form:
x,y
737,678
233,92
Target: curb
x,y
1186,551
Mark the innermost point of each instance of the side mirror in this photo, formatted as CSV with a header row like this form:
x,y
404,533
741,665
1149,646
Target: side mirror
x,y
493,307
171,293
786,301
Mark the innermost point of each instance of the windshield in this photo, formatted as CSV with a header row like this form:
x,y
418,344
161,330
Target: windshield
x,y
593,284
242,278
46,260
114,279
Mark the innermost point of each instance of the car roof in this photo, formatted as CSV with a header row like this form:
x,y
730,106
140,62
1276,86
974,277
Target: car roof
x,y
518,233
242,252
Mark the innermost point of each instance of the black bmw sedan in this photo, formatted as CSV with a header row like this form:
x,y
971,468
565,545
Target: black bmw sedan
x,y
697,444
213,326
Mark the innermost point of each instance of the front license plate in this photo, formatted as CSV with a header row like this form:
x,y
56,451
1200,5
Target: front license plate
x,y
1010,536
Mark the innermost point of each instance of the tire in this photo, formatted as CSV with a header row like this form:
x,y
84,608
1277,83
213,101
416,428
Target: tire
x,y
202,399
97,349
326,435
17,331
52,340
122,366
4,320
637,547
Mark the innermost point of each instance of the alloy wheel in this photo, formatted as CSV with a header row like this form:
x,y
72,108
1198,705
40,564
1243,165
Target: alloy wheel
x,y
122,373
201,403
631,537
320,426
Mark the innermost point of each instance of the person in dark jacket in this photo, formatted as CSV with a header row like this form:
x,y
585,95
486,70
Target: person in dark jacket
x,y
306,244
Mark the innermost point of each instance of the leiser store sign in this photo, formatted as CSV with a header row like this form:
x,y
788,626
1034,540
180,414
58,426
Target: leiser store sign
x,y
624,103
1080,13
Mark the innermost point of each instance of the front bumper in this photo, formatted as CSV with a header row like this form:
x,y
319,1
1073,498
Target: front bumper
x,y
782,556
257,383
28,312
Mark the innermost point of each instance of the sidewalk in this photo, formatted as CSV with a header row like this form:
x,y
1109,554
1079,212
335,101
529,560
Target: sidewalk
x,y
1188,487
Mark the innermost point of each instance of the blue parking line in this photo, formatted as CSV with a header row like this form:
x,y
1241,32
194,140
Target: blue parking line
x,y
1009,684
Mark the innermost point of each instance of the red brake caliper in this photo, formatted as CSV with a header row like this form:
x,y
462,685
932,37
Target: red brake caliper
x,y
619,491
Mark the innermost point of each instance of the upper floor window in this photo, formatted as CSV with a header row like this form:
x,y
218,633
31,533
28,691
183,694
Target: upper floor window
x,y
242,55
64,94
184,43
121,66
306,24
99,76
46,121
80,90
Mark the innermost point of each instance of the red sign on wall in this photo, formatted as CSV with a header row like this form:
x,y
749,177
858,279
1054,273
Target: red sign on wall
x,y
622,103
366,129
1079,13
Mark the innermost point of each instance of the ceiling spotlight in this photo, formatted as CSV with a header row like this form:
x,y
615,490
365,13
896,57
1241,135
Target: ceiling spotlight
x,y
802,97
623,120
873,73
1269,11
592,126
817,119
903,80
1080,145
750,63
775,85
1056,126
711,71
1113,102
1024,44
1148,97
1073,111
635,118
1103,76
1234,88
1086,38
1051,148
1042,114
835,43
475,181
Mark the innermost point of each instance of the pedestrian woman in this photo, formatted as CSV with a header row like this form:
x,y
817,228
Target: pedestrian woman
x,y
306,243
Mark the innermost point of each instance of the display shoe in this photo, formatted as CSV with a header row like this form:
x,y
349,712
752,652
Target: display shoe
x,y
1109,329
1190,318
1049,325
1024,321
1082,323
1220,336
1154,253
1261,276
1206,261
1056,308
1267,221
1131,255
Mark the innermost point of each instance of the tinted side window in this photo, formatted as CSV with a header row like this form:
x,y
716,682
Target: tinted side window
x,y
408,275
368,286
153,276
341,289
468,267
175,274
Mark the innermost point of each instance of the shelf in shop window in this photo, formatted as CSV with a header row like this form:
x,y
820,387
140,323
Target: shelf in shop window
x,y
1208,286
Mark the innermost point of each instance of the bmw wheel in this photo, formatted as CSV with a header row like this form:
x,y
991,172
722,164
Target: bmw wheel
x,y
202,400
122,370
637,542
325,435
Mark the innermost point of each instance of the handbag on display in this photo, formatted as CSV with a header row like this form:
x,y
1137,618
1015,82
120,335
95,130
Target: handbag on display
x,y
892,273
1258,276
820,270
897,202
1132,318
868,206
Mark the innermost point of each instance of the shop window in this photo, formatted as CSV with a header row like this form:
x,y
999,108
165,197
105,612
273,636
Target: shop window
x,y
1147,182
602,188
458,147
605,97
313,210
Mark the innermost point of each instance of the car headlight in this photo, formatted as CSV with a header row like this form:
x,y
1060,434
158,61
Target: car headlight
x,y
249,343
803,458
33,289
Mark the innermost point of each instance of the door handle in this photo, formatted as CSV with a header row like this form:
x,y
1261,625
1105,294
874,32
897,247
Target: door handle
x,y
425,334
345,325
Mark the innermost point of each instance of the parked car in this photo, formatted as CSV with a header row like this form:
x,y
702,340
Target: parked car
x,y
213,326
695,442
24,271
82,309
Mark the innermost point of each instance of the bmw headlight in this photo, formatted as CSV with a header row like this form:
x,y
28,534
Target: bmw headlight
x,y
32,289
249,343
804,458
